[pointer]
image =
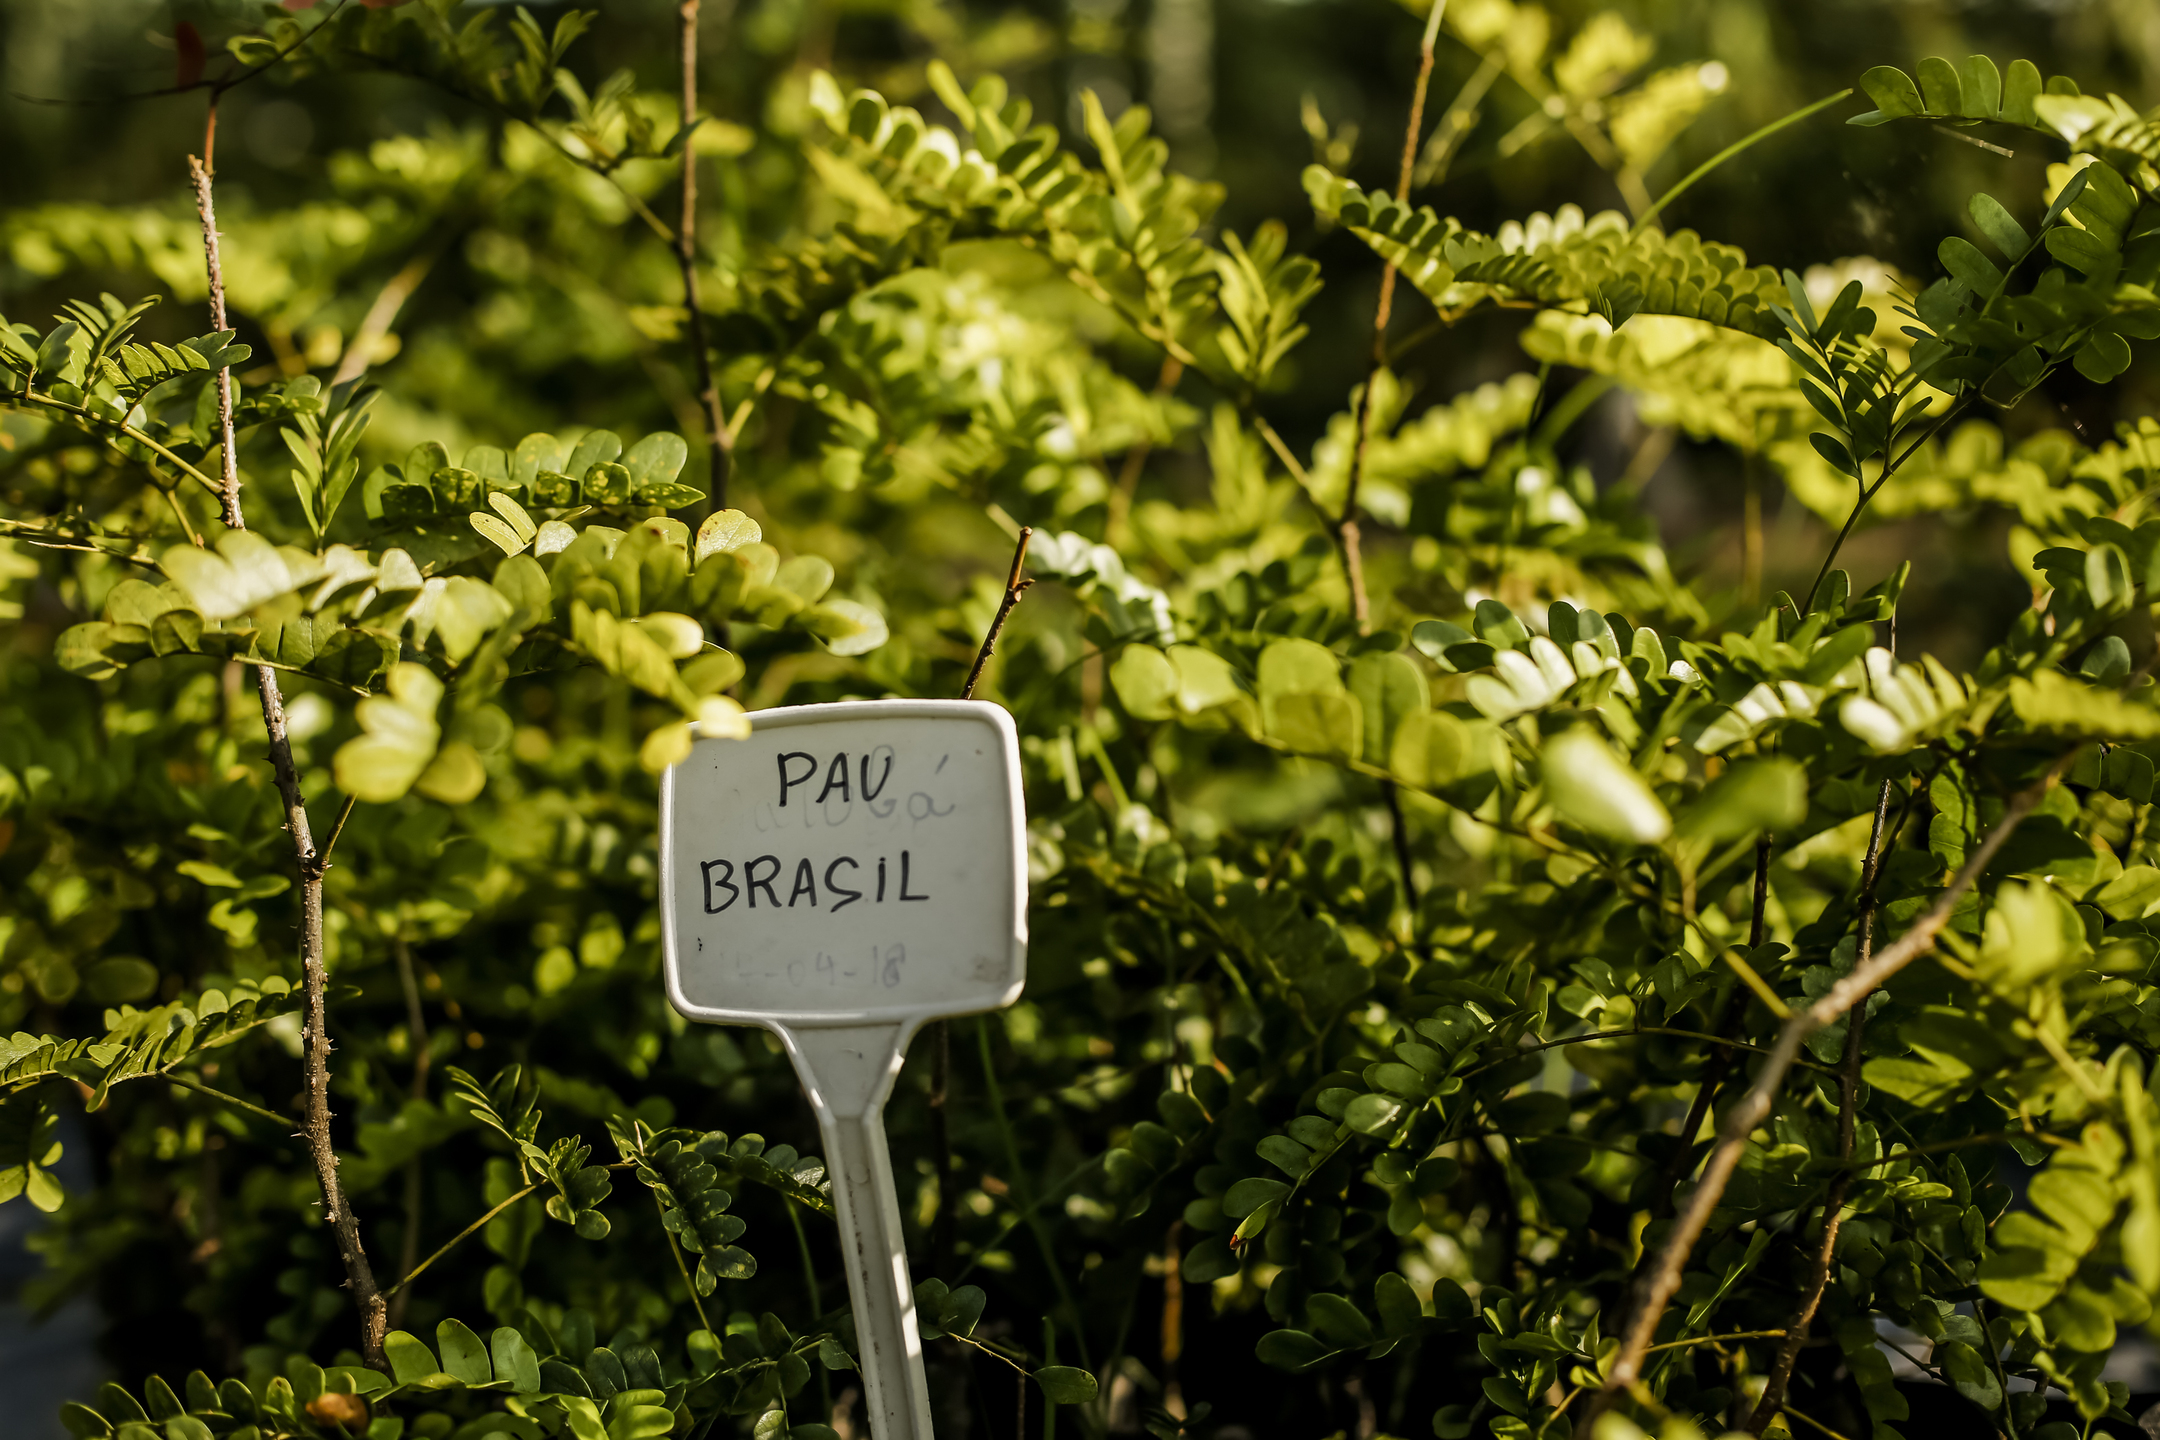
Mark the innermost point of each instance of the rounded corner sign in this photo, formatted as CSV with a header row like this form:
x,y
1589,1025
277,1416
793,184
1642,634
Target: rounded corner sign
x,y
847,863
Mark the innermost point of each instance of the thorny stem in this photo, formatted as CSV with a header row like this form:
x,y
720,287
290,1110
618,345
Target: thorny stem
x,y
1754,1107
228,457
719,439
1015,587
315,1127
416,1032
1773,1396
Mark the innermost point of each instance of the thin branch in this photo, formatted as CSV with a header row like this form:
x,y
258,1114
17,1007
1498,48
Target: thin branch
x,y
2003,150
455,1240
215,87
337,828
1792,1414
1067,1311
1456,123
1015,587
376,323
1869,492
1733,149
206,211
1754,1107
1773,1396
416,1035
248,1105
1718,1339
719,435
675,1249
1721,1057
1346,526
1992,1137
1399,835
941,1227
315,1127
93,421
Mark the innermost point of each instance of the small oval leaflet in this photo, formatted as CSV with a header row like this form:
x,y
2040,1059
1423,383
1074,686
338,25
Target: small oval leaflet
x,y
846,873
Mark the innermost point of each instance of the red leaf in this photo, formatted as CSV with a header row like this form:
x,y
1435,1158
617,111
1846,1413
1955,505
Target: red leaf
x,y
188,69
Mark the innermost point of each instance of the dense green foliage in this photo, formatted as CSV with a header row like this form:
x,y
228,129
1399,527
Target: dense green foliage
x,y
1428,848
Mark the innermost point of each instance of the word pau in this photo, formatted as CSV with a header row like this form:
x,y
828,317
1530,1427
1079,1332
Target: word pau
x,y
800,767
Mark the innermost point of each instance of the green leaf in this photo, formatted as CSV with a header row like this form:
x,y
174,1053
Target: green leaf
x,y
1593,788
656,459
411,1362
2000,227
2024,1278
1250,1194
1339,1322
1065,1384
1292,1350
514,1360
399,739
1893,92
1209,1260
1400,1311
1145,681
1285,1154
725,531
1968,266
1752,795
844,627
1390,690
1372,1114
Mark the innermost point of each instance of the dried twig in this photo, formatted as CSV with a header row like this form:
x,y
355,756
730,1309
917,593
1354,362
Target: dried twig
x,y
1015,587
1773,1396
719,439
1754,1107
315,1126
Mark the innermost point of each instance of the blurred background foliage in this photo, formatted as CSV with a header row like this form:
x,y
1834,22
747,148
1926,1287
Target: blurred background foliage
x,y
529,293
533,289
376,222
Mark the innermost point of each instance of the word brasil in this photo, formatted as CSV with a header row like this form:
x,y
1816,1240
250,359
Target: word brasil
x,y
762,876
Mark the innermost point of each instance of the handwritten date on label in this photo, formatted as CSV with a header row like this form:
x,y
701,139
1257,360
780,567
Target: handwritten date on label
x,y
847,860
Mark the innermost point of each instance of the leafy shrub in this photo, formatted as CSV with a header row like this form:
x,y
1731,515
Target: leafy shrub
x,y
1450,926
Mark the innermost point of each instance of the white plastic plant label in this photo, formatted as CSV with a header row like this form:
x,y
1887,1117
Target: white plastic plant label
x,y
847,863
845,874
